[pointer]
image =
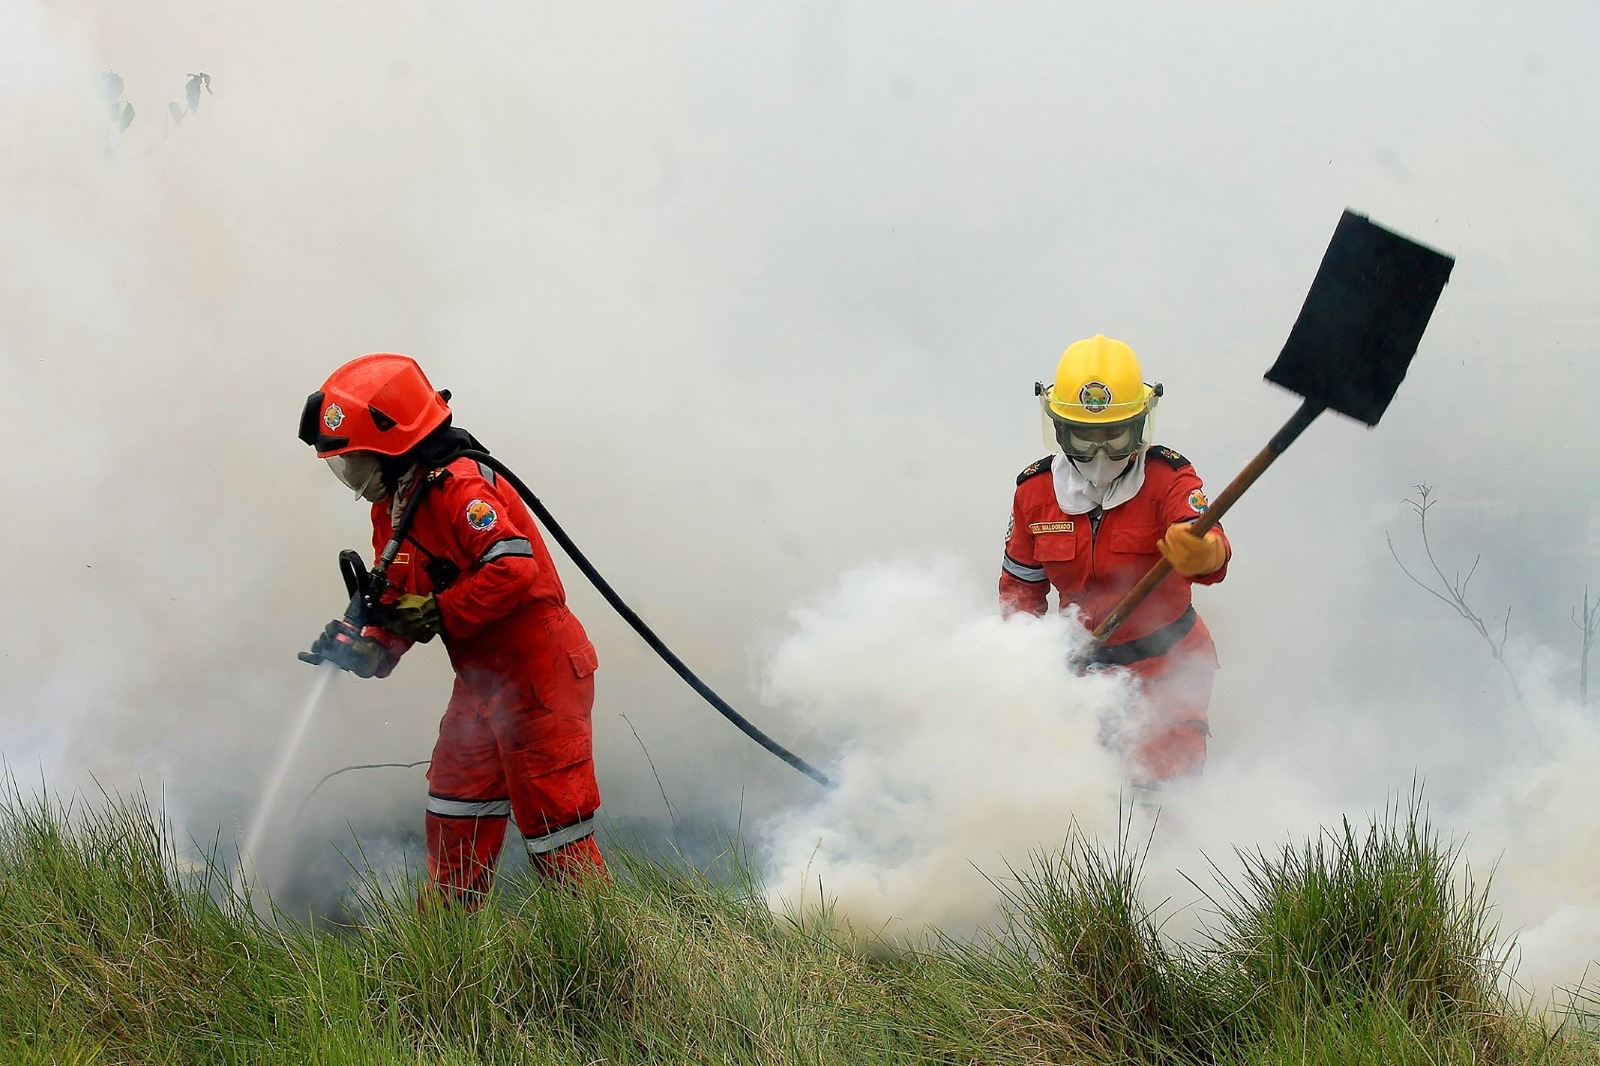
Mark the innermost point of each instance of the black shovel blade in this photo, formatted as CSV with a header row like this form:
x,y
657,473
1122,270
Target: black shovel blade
x,y
1362,320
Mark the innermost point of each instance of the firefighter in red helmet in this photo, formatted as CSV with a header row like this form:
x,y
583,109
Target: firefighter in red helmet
x,y
516,738
1092,518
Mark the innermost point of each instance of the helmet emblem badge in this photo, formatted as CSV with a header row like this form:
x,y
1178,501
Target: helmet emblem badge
x,y
333,417
1095,396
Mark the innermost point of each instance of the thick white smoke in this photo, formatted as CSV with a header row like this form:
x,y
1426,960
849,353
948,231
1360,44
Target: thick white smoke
x,y
962,743
966,746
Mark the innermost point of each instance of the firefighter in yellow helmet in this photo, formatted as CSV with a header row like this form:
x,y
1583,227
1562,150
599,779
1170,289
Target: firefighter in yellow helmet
x,y
1090,520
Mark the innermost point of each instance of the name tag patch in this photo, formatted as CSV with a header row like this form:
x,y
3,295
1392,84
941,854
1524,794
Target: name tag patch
x,y
1049,527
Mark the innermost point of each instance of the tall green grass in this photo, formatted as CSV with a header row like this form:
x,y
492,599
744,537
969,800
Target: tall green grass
x,y
1361,916
1364,946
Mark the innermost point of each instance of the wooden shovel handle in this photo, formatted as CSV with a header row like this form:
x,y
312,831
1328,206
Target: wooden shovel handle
x,y
1302,418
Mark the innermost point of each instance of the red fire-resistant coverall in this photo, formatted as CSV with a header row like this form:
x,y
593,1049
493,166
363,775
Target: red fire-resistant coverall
x,y
516,738
1093,560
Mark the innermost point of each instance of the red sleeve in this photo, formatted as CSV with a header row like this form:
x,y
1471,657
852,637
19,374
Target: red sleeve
x,y
494,551
394,644
1185,501
1023,583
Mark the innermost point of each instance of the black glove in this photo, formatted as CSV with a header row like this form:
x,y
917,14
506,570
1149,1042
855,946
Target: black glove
x,y
343,645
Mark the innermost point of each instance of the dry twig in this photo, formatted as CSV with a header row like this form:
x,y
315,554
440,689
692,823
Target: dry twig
x,y
1588,626
1452,592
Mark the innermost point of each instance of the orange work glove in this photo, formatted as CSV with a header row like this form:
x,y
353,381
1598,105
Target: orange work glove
x,y
1190,555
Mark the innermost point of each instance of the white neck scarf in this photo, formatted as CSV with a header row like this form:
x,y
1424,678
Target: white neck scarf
x,y
1077,496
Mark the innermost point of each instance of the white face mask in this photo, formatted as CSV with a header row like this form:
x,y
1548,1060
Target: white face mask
x,y
361,472
1101,471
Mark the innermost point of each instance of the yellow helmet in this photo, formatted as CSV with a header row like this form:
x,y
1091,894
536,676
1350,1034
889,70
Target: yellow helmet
x,y
1099,401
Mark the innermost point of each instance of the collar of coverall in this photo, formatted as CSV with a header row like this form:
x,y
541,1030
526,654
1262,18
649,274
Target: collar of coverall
x,y
1075,495
440,448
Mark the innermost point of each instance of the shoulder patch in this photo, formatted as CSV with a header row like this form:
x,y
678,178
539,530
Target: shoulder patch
x,y
481,515
1034,469
1170,457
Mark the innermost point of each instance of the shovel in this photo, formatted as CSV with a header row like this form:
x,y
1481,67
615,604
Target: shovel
x,y
1348,352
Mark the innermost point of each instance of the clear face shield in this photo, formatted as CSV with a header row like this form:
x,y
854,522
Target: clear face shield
x,y
1085,440
361,473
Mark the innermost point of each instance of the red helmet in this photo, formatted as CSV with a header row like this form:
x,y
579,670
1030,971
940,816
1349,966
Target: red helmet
x,y
375,403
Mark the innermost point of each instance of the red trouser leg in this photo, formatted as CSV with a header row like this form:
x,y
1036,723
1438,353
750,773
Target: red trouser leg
x,y
571,863
462,853
547,751
1170,742
467,803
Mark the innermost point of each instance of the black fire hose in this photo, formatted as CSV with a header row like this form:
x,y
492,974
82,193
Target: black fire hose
x,y
656,644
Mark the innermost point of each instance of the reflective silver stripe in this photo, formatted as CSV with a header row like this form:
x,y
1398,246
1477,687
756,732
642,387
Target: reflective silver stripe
x,y
450,808
560,838
1034,574
511,546
486,471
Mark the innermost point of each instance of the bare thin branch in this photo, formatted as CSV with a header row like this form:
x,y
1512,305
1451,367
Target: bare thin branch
x,y
1447,601
1452,591
1468,581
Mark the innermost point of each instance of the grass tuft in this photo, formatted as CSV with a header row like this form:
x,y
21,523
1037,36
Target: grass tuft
x,y
1362,946
1361,916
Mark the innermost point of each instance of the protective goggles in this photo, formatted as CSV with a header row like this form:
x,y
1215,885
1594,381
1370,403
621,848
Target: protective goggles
x,y
1085,440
